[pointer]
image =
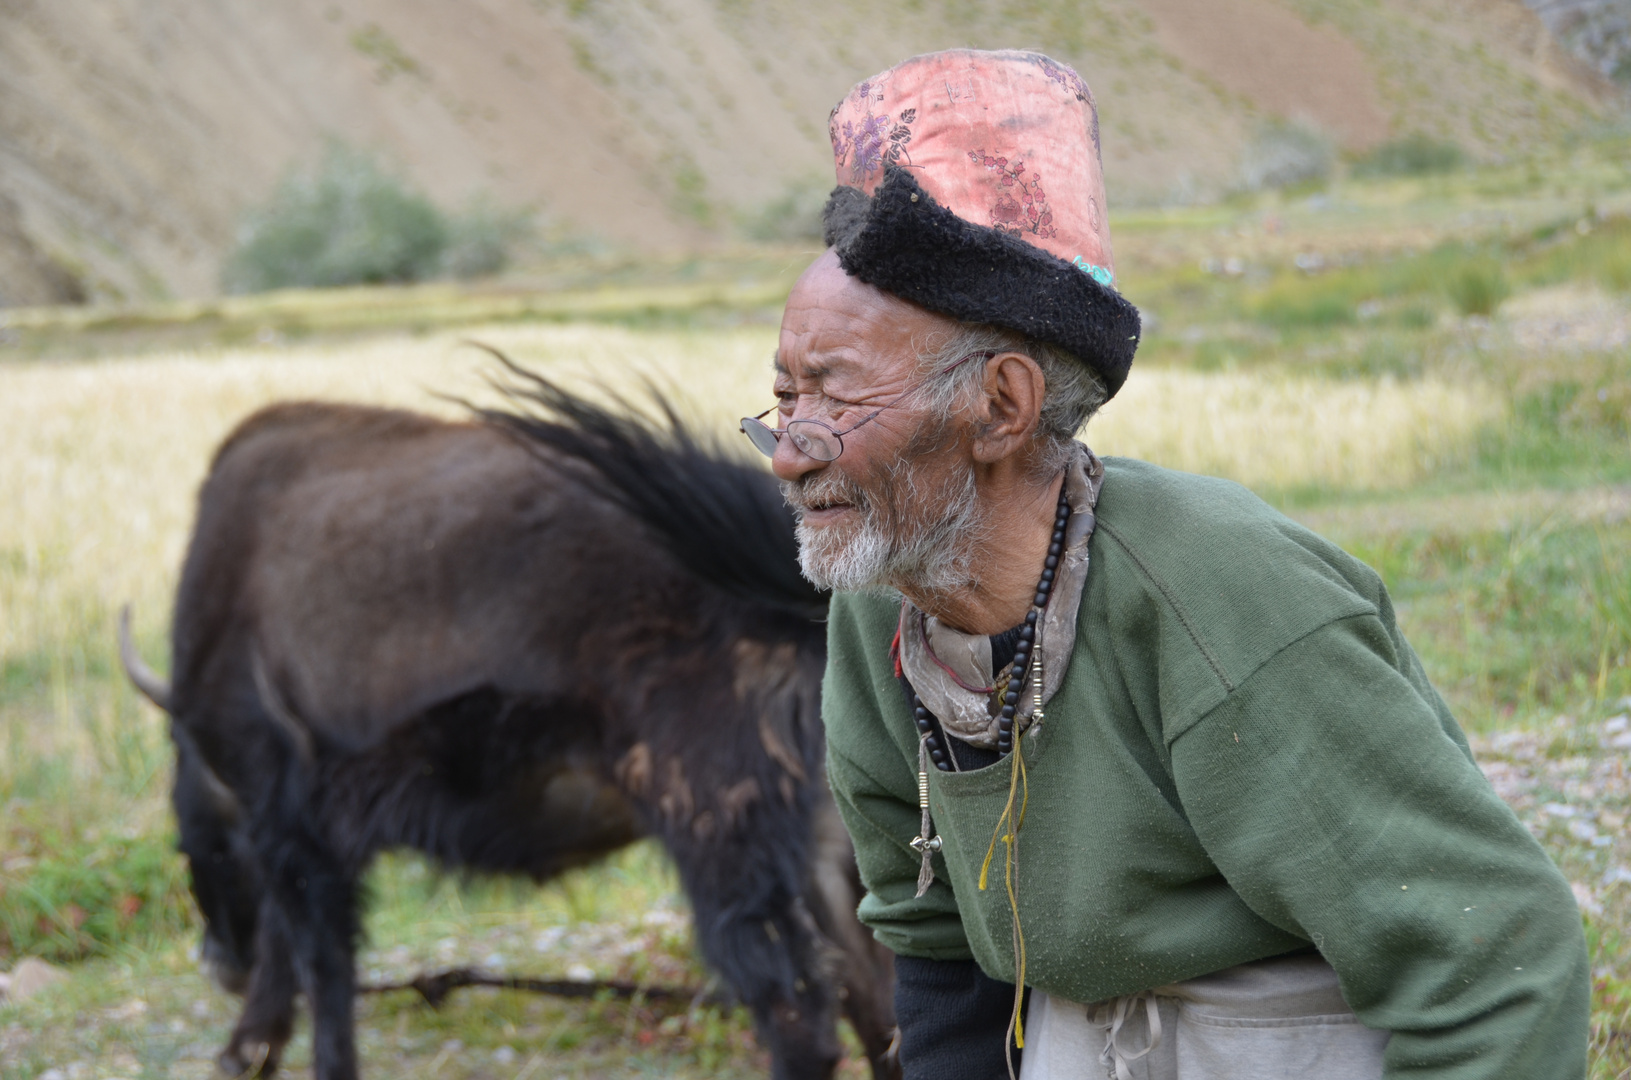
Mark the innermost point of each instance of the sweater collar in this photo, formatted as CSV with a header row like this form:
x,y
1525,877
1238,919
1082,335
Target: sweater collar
x,y
967,713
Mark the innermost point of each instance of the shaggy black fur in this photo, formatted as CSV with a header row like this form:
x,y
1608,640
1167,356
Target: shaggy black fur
x,y
514,645
720,516
907,244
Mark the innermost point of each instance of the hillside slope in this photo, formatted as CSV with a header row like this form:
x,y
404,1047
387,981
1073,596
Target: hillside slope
x,y
133,133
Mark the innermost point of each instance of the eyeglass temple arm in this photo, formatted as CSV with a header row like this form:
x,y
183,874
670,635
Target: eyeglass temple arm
x,y
986,354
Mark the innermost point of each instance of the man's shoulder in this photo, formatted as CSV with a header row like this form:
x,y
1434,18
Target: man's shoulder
x,y
1180,524
1241,578
1140,495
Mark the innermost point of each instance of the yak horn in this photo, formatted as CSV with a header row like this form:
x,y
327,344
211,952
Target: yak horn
x,y
279,709
153,686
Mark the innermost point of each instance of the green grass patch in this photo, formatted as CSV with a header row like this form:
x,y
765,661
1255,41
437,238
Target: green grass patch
x,y
1478,286
1511,623
1610,1012
67,896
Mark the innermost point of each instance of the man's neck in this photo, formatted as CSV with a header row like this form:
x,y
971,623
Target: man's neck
x,y
1005,564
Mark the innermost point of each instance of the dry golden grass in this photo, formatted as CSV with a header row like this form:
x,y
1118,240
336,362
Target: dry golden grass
x,y
1282,432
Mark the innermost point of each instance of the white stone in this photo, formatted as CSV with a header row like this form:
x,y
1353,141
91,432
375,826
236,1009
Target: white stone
x,y
31,976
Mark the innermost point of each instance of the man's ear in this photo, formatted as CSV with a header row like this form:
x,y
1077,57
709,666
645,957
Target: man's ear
x,y
1009,407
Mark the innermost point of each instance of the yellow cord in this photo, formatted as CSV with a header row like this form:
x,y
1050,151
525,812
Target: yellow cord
x,y
1018,786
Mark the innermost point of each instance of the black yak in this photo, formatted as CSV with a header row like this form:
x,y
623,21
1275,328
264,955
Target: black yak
x,y
515,643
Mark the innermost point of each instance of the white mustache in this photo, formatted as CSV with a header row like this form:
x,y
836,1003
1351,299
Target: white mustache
x,y
823,489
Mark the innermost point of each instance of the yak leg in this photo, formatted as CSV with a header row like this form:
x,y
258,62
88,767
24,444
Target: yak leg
x,y
753,929
316,899
268,1016
866,970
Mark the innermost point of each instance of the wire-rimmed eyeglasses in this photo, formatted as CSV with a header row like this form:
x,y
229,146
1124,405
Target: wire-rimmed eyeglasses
x,y
816,438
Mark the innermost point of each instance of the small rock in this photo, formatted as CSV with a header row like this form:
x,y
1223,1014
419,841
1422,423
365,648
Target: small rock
x,y
130,1010
31,976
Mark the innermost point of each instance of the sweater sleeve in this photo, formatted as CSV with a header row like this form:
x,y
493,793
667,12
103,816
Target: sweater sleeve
x,y
881,825
1330,794
871,765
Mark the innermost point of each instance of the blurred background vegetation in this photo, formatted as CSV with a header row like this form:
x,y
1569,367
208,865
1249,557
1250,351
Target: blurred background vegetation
x,y
1385,266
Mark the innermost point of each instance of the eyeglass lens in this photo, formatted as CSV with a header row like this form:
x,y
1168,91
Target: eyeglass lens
x,y
760,435
812,438
815,440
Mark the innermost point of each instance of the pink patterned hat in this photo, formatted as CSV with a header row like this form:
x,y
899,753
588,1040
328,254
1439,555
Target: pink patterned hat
x,y
972,186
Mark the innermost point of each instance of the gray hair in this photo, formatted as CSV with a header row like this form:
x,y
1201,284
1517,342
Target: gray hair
x,y
1074,391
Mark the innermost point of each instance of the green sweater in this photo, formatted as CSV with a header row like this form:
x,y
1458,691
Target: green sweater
x,y
1245,757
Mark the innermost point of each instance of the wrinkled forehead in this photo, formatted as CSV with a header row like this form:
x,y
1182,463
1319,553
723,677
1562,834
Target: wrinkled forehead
x,y
839,327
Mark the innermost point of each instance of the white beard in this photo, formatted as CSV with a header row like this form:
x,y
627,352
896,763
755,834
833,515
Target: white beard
x,y
908,538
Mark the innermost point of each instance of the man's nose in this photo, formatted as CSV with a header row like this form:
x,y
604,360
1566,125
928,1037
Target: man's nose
x,y
789,463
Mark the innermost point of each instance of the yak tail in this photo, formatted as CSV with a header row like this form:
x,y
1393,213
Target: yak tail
x,y
153,686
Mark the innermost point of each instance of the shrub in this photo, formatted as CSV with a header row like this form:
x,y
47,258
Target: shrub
x,y
350,221
1286,154
347,222
1478,287
1411,155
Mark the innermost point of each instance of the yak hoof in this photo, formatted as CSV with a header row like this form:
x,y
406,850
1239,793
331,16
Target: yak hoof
x,y
232,1062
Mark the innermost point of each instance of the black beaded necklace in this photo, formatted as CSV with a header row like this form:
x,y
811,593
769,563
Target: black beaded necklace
x,y
1024,655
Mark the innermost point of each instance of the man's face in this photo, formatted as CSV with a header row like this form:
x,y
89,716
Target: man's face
x,y
897,508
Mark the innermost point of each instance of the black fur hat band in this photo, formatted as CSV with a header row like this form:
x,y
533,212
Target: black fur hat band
x,y
903,242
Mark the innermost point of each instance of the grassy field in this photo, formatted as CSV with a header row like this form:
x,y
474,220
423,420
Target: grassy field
x,y
1434,372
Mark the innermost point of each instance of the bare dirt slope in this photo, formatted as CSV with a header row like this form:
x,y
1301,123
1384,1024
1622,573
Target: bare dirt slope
x,y
134,132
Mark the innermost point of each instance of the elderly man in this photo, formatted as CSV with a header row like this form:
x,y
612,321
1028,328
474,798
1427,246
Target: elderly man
x,y
1124,737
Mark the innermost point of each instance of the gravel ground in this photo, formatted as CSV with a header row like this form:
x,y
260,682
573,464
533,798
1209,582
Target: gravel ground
x,y
1570,783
